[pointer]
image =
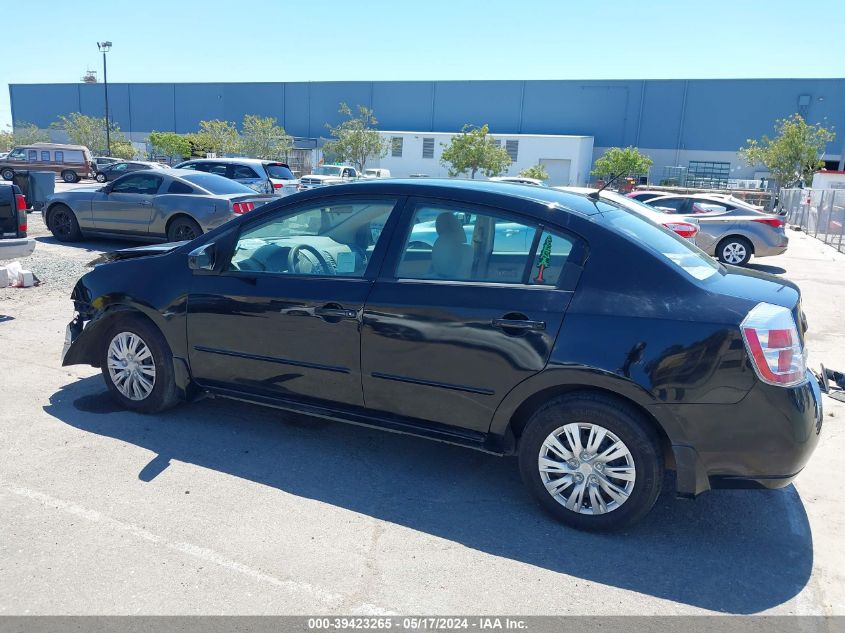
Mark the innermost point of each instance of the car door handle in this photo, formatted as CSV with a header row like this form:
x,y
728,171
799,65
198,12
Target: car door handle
x,y
335,311
518,324
145,203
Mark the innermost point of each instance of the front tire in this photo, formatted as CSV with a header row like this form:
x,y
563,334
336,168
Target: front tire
x,y
183,230
137,365
592,461
70,176
100,178
8,174
735,251
63,225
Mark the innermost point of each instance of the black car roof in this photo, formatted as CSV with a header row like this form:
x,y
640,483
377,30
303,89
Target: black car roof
x,y
467,190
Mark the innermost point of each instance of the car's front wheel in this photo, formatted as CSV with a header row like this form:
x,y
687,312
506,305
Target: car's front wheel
x,y
734,250
62,224
591,461
100,177
137,365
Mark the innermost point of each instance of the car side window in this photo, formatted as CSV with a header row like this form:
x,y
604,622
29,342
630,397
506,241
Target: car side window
x,y
710,207
670,205
45,156
137,183
467,244
119,167
192,166
217,168
177,186
242,171
330,238
60,156
32,156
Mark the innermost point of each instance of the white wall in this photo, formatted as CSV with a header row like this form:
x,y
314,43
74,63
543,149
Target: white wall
x,y
532,149
829,180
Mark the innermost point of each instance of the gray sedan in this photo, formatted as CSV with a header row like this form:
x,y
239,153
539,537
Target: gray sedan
x,y
731,230
168,205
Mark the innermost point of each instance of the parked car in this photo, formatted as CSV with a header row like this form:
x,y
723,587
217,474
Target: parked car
x,y
328,175
150,205
264,176
603,351
376,172
71,162
13,224
731,231
687,228
644,195
105,161
520,180
113,171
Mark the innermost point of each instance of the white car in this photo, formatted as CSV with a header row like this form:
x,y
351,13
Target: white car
x,y
686,227
376,172
328,175
520,180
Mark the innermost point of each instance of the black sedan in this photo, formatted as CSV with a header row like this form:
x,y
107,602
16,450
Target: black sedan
x,y
107,173
596,346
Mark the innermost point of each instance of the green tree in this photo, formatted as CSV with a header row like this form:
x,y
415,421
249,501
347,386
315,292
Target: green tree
x,y
25,133
472,151
91,132
357,139
170,144
7,140
545,259
535,171
262,138
794,154
199,146
618,161
220,137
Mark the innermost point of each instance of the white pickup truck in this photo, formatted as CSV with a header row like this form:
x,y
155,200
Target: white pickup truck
x,y
328,175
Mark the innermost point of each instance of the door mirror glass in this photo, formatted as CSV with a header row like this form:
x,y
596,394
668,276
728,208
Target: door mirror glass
x,y
202,258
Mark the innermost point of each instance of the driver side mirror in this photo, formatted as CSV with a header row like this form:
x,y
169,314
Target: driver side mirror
x,y
202,258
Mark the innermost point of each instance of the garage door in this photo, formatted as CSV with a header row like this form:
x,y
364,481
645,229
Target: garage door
x,y
558,170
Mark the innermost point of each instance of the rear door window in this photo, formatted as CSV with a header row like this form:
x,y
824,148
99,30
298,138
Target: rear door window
x,y
60,156
242,172
279,171
32,156
669,205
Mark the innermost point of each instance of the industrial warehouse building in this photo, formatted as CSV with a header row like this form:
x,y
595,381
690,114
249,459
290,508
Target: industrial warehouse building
x,y
690,128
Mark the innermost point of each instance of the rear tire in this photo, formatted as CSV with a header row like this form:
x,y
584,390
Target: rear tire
x,y
70,176
183,229
735,250
136,361
7,174
100,178
63,225
614,493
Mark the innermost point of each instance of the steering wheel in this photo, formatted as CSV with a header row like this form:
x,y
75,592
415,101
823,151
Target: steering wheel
x,y
293,259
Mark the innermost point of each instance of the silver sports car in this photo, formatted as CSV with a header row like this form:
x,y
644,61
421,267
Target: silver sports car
x,y
167,205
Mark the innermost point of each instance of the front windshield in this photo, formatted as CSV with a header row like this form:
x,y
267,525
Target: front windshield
x,y
328,170
216,184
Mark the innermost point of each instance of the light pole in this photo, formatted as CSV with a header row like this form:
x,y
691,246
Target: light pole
x,y
104,48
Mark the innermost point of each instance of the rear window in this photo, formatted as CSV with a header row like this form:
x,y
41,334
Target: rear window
x,y
179,187
667,244
279,171
217,184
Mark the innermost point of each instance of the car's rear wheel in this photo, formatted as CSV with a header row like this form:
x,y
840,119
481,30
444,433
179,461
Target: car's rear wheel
x,y
182,230
137,366
592,461
734,250
63,225
7,174
69,176
100,177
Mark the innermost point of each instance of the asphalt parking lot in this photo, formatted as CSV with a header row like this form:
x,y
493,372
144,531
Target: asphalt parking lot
x,y
224,508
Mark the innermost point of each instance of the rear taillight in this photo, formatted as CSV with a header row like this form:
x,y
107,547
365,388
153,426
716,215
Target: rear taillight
x,y
243,207
684,229
771,339
277,185
775,222
20,202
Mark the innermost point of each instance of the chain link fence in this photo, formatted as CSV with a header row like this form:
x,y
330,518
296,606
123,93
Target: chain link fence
x,y
819,212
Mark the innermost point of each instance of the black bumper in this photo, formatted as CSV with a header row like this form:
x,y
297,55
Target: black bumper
x,y
763,441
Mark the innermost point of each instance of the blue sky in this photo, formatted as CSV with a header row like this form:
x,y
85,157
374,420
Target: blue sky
x,y
325,40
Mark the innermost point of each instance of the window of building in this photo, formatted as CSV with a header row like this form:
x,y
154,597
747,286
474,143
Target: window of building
x,y
428,147
497,142
512,148
396,146
703,174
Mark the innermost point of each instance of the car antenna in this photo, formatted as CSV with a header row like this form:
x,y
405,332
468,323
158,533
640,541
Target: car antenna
x,y
595,194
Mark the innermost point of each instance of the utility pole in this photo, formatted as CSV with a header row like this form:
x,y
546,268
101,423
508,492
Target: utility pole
x,y
104,48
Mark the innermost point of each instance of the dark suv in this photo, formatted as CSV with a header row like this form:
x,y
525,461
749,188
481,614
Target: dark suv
x,y
595,345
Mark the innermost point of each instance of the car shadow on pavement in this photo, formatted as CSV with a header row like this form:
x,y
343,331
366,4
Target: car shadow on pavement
x,y
738,551
92,245
767,268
